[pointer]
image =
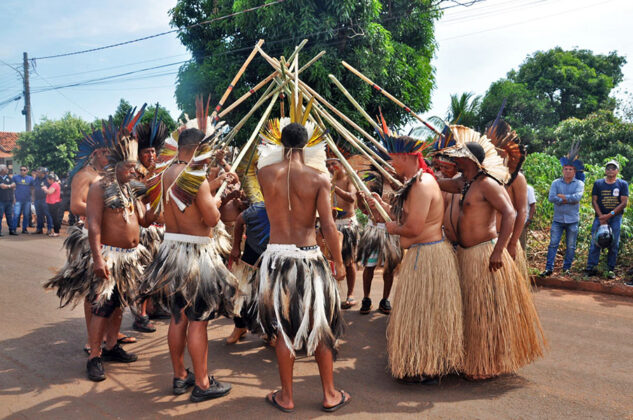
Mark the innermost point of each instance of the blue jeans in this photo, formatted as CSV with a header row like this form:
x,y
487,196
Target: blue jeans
x,y
556,233
594,251
21,208
41,210
6,209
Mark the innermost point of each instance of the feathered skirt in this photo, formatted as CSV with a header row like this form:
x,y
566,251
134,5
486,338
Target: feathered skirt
x,y
188,274
246,296
502,330
376,246
298,298
223,240
349,228
151,237
70,281
425,330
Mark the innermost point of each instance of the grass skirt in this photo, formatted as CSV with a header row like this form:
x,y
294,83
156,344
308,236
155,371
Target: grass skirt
x,y
188,274
424,334
246,296
376,239
349,228
298,298
522,264
502,331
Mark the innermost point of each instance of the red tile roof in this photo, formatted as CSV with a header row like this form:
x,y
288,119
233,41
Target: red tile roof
x,y
8,141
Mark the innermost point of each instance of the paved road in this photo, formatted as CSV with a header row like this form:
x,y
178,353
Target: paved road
x,y
586,374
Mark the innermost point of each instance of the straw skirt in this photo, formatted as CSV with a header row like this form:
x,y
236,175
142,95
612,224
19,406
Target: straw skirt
x,y
424,334
502,331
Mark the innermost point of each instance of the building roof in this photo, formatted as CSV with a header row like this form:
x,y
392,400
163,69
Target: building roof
x,y
8,141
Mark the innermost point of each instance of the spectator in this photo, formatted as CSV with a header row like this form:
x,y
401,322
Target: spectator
x,y
609,197
53,202
531,208
39,197
6,199
23,186
565,193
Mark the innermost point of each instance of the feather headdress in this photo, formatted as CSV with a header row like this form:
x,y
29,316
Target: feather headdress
x,y
271,150
507,140
185,188
492,164
152,134
572,160
89,144
247,171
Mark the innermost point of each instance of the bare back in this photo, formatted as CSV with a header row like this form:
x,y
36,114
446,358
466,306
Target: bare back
x,y
309,192
424,211
517,191
198,218
451,215
79,189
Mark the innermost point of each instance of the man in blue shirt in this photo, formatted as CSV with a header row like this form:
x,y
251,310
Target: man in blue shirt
x,y
39,197
22,206
609,196
565,193
6,199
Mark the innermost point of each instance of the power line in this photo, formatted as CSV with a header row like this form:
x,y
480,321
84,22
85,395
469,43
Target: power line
x,y
162,33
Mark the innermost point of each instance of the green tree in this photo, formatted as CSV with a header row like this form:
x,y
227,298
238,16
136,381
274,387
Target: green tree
x,y
163,114
602,136
552,86
52,143
392,42
464,109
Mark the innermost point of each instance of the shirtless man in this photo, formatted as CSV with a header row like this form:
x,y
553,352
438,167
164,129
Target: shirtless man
x,y
189,275
517,192
294,193
344,197
448,170
489,275
113,219
424,334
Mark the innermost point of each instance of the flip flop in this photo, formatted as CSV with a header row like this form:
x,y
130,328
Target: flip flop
x,y
126,340
87,349
344,401
273,401
349,302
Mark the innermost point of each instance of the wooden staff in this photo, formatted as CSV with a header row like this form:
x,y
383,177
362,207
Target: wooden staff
x,y
275,64
389,96
247,95
250,141
360,109
227,92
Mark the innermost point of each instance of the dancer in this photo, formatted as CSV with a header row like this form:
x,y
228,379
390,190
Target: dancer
x,y
298,298
502,331
344,198
113,219
376,247
188,275
424,334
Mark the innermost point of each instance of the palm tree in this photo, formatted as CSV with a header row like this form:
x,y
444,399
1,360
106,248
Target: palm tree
x,y
464,109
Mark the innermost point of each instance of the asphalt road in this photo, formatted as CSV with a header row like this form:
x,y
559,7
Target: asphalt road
x,y
587,373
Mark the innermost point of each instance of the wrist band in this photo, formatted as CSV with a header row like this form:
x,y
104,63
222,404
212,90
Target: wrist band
x,y
612,213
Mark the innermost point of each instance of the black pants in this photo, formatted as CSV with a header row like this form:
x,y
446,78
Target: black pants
x,y
56,214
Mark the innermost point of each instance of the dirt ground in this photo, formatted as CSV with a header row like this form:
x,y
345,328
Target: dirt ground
x,y
585,374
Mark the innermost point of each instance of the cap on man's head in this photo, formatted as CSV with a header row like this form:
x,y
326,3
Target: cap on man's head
x,y
42,169
614,163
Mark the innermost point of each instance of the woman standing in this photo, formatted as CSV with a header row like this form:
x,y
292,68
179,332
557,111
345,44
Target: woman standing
x,y
54,203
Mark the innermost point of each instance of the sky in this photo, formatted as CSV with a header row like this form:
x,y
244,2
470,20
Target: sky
x,y
477,45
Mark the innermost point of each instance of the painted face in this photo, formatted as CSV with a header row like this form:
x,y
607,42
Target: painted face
x,y
332,166
148,157
399,163
447,169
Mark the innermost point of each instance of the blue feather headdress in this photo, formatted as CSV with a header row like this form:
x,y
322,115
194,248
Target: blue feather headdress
x,y
572,160
89,144
152,134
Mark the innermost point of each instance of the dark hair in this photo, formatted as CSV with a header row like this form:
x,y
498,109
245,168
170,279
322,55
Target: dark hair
x,y
294,136
190,137
477,151
50,176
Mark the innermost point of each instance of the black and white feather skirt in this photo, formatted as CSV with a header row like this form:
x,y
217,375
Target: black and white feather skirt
x,y
376,243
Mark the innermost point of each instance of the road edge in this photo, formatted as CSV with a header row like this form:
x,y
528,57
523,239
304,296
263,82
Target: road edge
x,y
586,286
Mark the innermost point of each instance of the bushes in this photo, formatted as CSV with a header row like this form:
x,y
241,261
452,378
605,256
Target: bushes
x,y
541,170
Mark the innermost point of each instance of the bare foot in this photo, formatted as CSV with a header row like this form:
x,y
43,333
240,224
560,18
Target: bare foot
x,y
277,400
236,335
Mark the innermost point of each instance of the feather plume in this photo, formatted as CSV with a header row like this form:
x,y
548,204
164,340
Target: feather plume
x,y
504,138
152,134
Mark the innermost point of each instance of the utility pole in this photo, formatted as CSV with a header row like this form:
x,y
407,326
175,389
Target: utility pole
x,y
27,93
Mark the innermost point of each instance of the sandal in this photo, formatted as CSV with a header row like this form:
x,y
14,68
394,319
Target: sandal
x,y
349,302
344,401
273,401
87,349
126,340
